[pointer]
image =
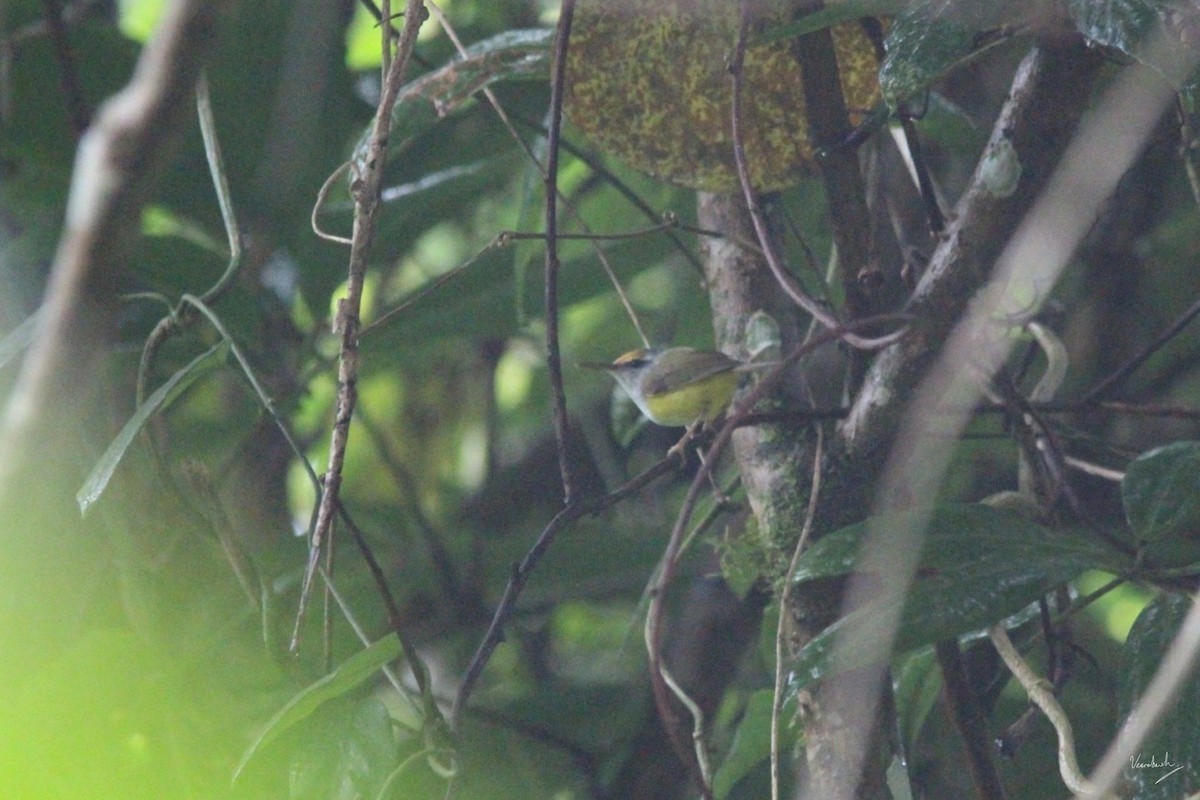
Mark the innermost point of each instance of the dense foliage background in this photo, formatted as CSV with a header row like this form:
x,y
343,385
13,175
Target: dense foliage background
x,y
149,590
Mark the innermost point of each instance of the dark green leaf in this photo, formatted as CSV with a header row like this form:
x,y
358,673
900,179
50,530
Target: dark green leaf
x,y
351,674
512,55
920,47
37,125
16,340
827,17
162,397
929,38
1176,739
350,756
1161,493
1130,27
751,743
918,684
978,565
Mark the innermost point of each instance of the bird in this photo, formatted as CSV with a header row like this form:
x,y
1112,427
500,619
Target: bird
x,y
676,386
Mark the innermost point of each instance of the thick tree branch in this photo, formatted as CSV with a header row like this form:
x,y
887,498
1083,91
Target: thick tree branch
x,y
828,129
118,161
1048,96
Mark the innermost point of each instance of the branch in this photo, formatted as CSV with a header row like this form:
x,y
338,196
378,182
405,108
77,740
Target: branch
x,y
553,357
521,572
969,721
1048,95
898,392
365,189
1039,692
118,161
786,282
828,128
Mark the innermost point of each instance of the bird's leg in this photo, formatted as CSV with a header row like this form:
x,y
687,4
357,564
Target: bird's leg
x,y
688,435
695,428
719,497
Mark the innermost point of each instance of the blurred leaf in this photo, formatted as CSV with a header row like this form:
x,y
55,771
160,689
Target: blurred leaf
x,y
347,677
1129,25
1175,741
512,55
1189,98
921,44
918,684
830,16
162,397
932,37
19,338
752,742
1161,494
37,125
481,301
978,565
349,758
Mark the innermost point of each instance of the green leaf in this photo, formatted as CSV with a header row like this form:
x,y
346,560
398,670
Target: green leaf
x,y
351,674
1161,494
1130,25
18,339
978,565
36,124
751,743
351,755
162,397
918,684
932,37
512,55
1161,491
830,16
1176,738
921,45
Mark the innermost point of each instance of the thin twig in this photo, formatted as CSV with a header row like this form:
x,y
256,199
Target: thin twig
x,y
177,318
322,194
1125,370
1038,691
969,721
1089,468
487,92
782,277
670,222
596,165
521,572
416,664
553,356
365,189
361,633
427,289
784,596
68,75
833,140
443,562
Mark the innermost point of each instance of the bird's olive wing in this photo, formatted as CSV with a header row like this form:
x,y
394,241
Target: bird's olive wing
x,y
678,369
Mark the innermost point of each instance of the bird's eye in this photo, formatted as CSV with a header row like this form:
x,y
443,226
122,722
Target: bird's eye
x,y
635,359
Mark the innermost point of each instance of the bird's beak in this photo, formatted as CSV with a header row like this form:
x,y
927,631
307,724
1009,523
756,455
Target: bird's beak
x,y
593,365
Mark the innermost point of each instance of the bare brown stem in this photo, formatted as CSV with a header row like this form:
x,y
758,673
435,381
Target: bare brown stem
x,y
365,190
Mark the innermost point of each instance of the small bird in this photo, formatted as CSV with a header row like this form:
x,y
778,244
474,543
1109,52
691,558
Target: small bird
x,y
676,386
